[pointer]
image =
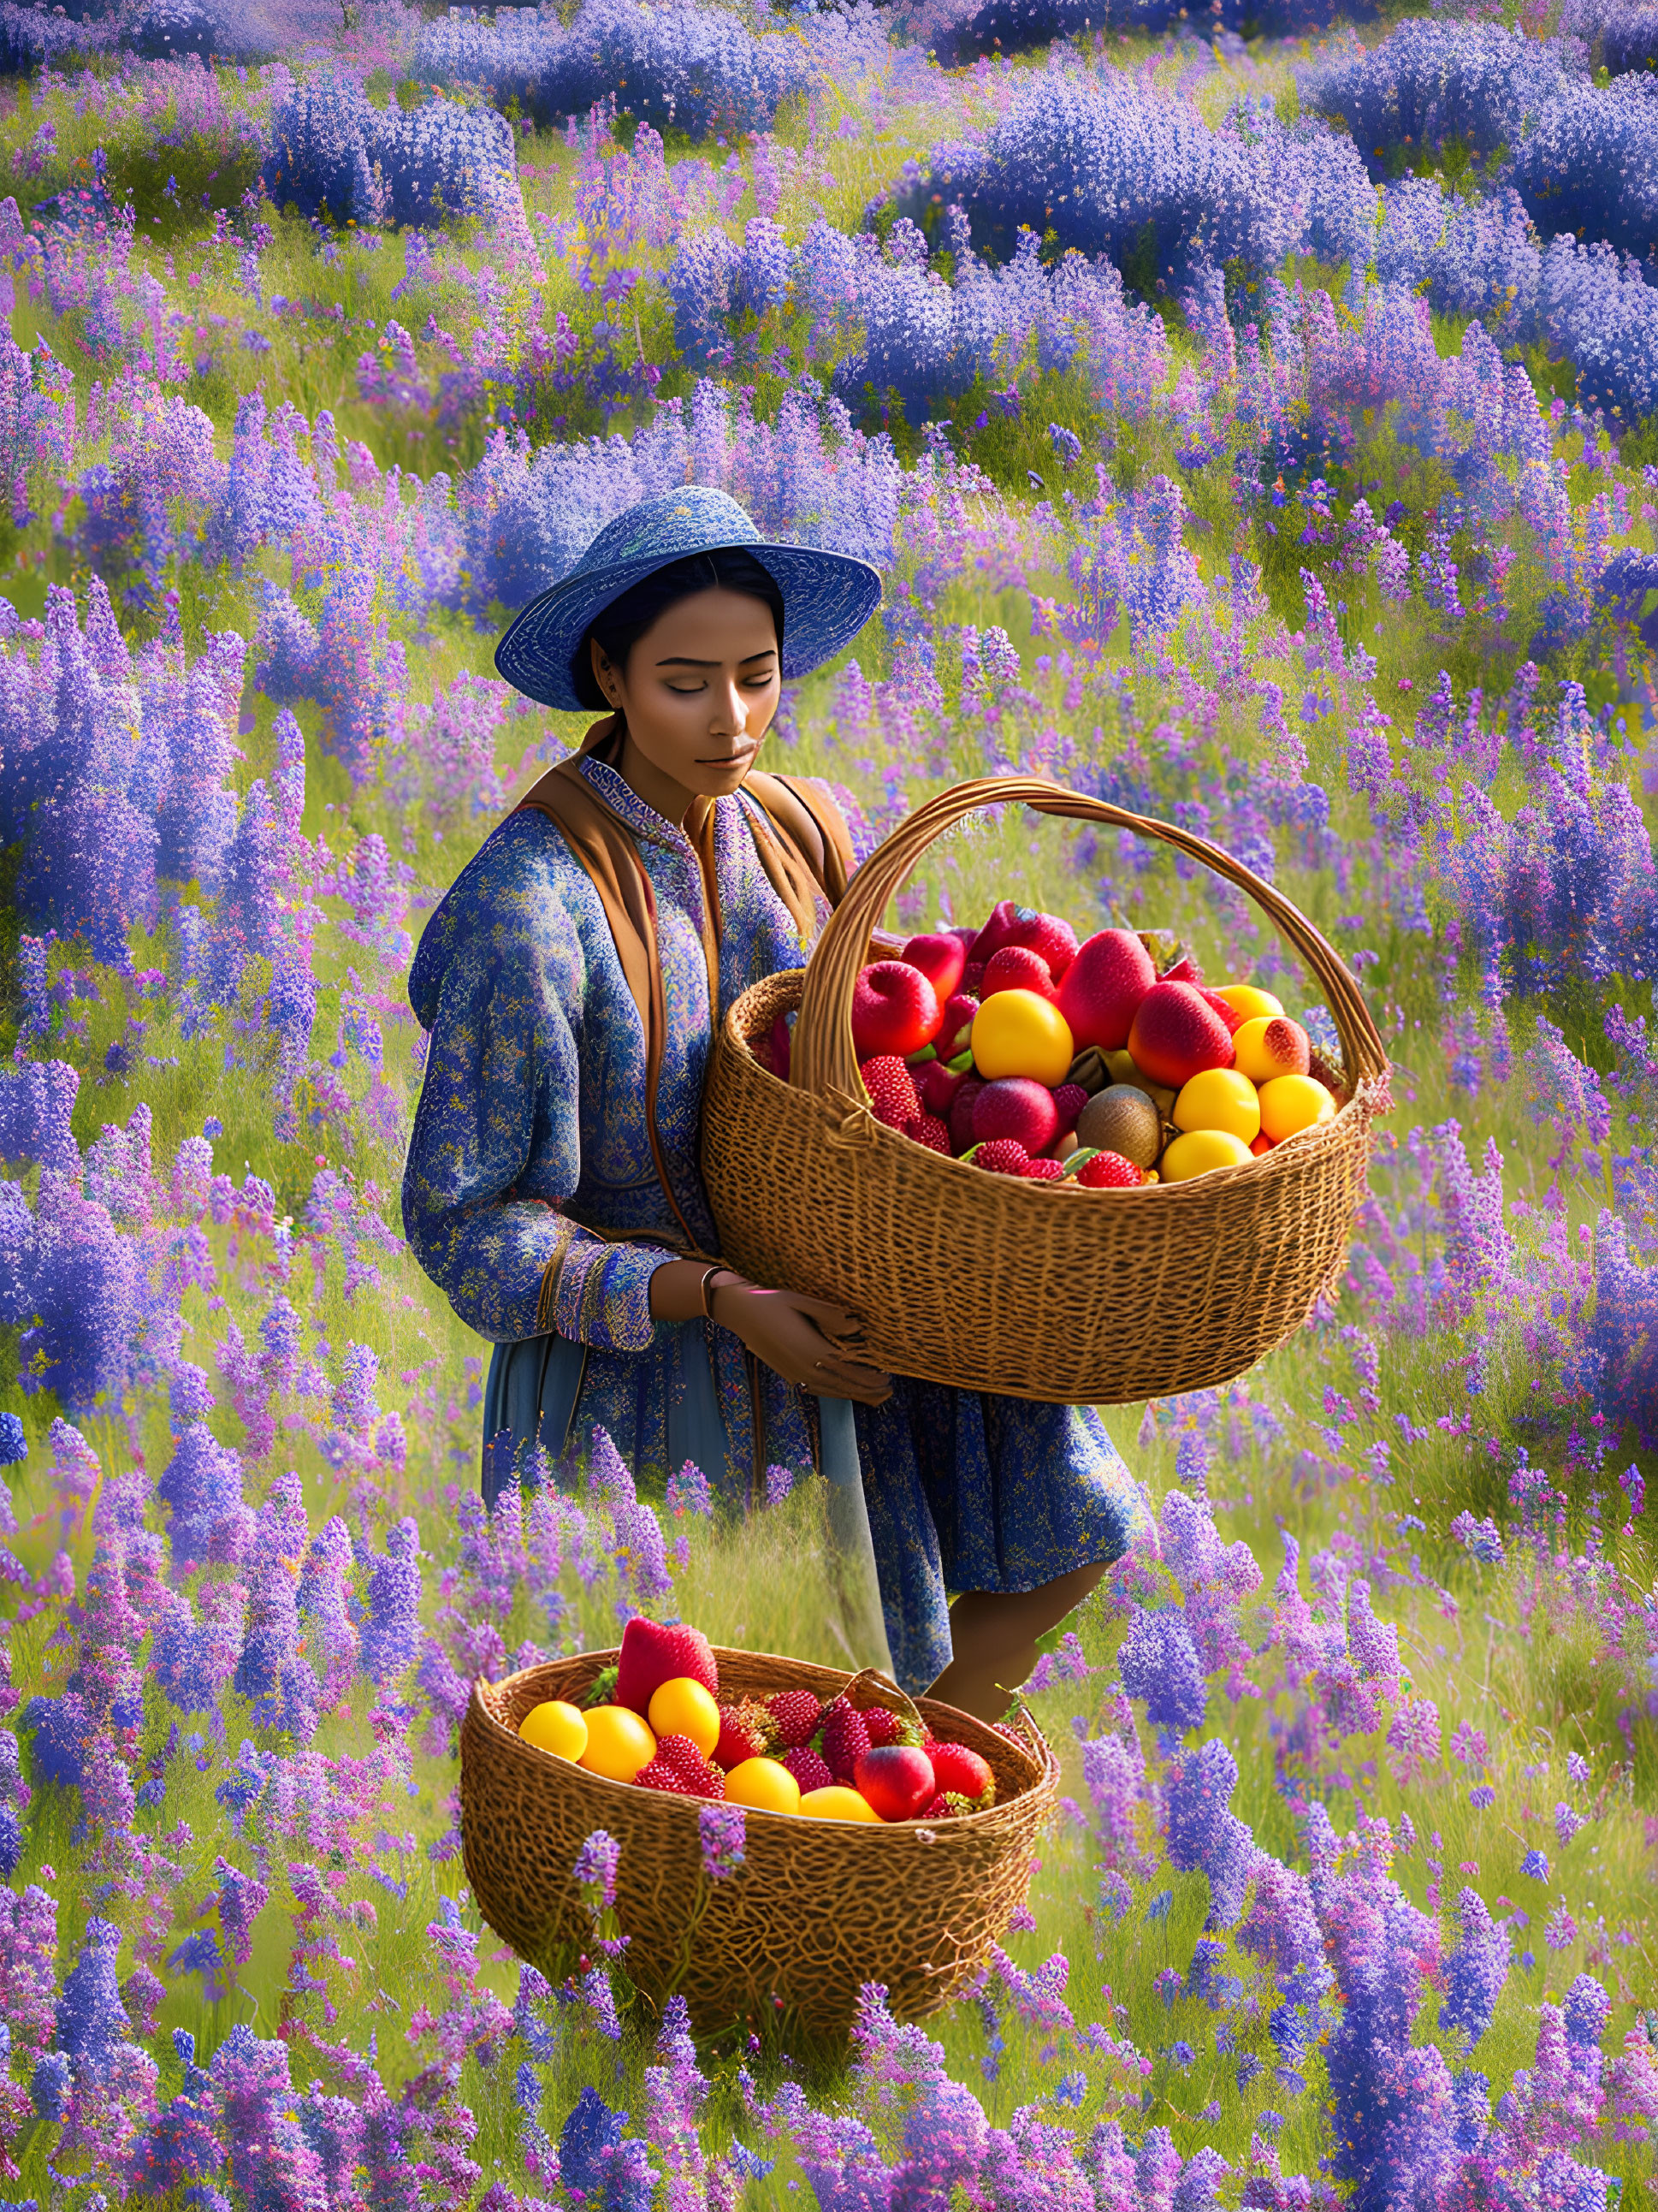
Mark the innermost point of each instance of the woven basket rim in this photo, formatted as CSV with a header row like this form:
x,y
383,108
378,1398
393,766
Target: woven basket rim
x,y
483,1694
1349,1119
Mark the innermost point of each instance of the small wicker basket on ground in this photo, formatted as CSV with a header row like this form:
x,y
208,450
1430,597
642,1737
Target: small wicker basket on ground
x,y
990,1282
817,1907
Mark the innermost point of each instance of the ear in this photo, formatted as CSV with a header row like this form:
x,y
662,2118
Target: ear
x,y
603,674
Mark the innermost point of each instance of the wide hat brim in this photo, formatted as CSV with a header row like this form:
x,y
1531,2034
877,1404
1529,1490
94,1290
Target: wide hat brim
x,y
827,599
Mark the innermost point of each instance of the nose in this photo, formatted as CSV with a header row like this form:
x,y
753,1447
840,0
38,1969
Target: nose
x,y
730,709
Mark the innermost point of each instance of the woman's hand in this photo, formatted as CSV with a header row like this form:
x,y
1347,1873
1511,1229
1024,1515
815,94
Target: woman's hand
x,y
810,1341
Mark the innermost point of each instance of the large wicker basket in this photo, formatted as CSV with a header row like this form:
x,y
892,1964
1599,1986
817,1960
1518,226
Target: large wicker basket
x,y
990,1282
817,1907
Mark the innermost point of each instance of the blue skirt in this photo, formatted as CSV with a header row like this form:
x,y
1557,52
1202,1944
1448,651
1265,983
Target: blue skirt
x,y
937,1491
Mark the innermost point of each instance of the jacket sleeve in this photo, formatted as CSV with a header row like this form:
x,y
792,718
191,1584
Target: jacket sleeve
x,y
502,1074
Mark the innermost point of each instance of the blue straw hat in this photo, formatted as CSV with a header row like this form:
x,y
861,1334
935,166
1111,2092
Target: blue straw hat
x,y
827,597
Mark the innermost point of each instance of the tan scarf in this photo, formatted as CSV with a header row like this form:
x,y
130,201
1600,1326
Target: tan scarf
x,y
606,847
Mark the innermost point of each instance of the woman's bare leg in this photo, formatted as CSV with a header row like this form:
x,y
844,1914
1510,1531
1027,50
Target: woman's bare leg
x,y
993,1636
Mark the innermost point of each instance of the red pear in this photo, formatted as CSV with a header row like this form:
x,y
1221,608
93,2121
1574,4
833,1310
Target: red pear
x,y
961,1113
1104,987
1176,1036
993,935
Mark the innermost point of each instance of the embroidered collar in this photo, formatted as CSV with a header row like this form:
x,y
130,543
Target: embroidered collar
x,y
620,796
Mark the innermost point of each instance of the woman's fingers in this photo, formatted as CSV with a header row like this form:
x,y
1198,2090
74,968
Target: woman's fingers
x,y
833,1319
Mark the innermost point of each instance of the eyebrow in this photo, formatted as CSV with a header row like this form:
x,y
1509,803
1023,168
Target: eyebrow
x,y
684,660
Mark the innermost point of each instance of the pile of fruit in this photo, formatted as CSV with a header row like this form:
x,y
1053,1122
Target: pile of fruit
x,y
1018,1050
655,1720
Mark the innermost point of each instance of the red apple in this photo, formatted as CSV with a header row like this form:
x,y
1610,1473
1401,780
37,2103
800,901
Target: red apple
x,y
896,1779
1176,1036
940,959
1015,1106
894,1009
1104,987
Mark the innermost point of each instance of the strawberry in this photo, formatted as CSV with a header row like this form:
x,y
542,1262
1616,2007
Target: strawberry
x,y
1184,970
940,1809
747,1730
683,1755
1109,1171
843,1738
956,1030
809,1767
927,1129
797,1714
885,1727
1002,1155
891,1087
652,1655
679,1753
958,1769
1045,1170
1046,934
659,1775
1017,968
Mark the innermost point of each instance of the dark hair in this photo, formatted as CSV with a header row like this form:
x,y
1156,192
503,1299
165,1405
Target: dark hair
x,y
625,621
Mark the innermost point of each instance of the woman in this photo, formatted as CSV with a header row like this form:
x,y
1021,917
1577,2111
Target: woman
x,y
571,980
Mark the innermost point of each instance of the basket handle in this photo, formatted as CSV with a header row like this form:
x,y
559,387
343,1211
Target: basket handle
x,y
821,1058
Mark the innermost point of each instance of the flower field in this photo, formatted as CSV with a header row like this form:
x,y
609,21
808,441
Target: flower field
x,y
1255,417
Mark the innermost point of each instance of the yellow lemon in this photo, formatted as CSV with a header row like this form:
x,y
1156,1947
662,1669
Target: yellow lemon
x,y
1201,1151
834,1802
764,1783
1017,1033
618,1743
1289,1103
681,1706
555,1726
1249,999
1219,1098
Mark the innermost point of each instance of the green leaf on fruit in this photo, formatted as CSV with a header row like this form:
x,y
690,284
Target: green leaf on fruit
x,y
601,1689
967,1157
921,1059
1080,1158
962,1063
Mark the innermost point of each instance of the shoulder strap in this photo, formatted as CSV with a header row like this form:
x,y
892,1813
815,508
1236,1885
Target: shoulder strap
x,y
807,827
604,846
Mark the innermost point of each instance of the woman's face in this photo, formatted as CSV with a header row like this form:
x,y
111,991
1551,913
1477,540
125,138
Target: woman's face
x,y
699,693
